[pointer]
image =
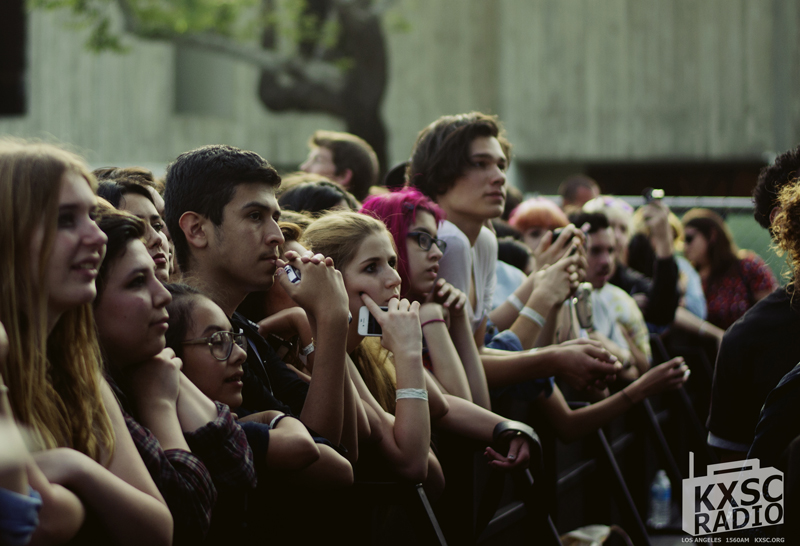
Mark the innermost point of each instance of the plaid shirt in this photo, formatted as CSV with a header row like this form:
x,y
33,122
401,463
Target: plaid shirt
x,y
220,457
222,446
183,480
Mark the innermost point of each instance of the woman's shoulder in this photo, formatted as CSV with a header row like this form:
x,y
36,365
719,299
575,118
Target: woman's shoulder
x,y
748,258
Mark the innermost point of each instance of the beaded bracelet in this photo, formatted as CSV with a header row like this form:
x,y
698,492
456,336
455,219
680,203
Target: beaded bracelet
x,y
419,394
432,320
533,315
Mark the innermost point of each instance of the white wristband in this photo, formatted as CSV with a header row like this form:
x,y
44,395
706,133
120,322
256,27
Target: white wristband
x,y
533,315
420,394
308,349
515,301
276,420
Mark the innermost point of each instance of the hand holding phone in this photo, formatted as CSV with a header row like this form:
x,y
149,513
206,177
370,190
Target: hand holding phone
x,y
367,325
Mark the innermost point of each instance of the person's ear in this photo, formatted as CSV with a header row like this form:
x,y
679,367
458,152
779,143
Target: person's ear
x,y
194,227
773,213
344,178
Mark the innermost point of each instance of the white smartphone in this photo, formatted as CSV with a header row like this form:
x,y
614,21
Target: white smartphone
x,y
292,273
367,325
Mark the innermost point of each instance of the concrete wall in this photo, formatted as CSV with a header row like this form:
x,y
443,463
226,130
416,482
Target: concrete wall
x,y
575,81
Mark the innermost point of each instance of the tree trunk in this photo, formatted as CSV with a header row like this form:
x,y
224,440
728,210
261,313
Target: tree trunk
x,y
358,103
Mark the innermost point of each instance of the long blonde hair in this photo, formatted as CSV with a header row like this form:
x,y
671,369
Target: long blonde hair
x,y
53,381
339,235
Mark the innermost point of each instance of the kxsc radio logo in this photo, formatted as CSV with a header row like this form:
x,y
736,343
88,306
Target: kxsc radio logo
x,y
732,496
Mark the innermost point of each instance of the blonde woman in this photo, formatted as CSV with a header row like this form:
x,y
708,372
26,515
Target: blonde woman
x,y
52,249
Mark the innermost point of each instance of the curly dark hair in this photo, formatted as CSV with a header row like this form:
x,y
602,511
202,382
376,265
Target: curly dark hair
x,y
786,227
771,179
441,152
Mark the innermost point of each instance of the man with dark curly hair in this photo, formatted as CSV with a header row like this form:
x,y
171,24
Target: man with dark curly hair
x,y
758,349
771,179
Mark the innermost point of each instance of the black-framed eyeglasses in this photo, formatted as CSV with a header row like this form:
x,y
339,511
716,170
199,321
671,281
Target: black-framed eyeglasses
x,y
426,240
221,343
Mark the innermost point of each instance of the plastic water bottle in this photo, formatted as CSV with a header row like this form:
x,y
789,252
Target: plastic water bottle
x,y
660,501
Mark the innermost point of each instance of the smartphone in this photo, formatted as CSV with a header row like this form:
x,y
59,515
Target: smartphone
x,y
292,274
583,305
367,325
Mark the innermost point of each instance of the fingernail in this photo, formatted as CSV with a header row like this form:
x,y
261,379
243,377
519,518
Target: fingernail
x,y
512,457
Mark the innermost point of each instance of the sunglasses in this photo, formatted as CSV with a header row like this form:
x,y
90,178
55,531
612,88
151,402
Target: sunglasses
x,y
221,343
426,240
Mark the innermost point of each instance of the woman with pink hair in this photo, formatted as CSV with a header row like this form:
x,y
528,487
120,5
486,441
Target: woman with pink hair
x,y
413,221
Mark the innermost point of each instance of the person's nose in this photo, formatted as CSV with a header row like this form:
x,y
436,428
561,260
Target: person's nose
x,y
393,279
238,356
305,165
274,235
161,296
94,236
153,237
435,253
498,176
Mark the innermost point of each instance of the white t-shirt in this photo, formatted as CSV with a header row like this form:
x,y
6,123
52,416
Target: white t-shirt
x,y
459,259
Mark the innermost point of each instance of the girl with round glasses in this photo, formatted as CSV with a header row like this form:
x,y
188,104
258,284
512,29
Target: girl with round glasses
x,y
212,354
196,453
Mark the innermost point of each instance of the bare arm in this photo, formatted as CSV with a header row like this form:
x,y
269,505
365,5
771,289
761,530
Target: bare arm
x,y
580,362
461,336
155,387
445,361
322,295
194,408
123,496
572,424
505,315
552,285
62,514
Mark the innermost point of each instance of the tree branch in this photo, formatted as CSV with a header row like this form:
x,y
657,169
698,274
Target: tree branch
x,y
321,73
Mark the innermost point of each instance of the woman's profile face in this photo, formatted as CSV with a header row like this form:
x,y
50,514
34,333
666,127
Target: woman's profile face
x,y
220,380
155,236
78,248
423,265
372,271
533,236
130,314
695,246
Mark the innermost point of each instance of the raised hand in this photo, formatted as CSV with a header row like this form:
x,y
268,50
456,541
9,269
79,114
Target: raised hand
x,y
400,325
448,296
556,282
549,251
321,288
156,381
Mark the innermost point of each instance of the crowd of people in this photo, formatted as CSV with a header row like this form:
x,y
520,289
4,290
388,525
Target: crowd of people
x,y
180,356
